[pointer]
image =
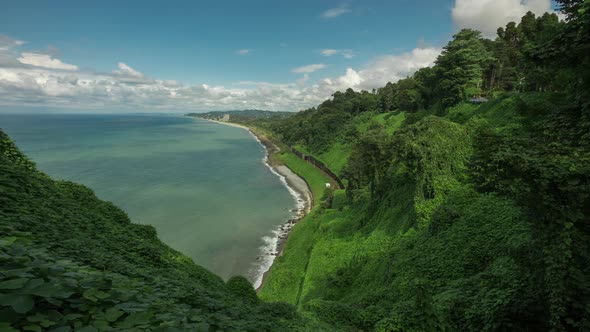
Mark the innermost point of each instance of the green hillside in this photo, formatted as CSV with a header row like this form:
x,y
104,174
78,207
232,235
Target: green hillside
x,y
459,216
467,208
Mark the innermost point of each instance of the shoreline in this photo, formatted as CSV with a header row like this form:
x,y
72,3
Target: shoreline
x,y
298,188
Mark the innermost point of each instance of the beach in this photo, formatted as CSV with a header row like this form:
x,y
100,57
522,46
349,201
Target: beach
x,y
299,189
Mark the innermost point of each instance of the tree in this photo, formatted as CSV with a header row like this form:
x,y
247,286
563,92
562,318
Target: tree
x,y
408,97
386,96
460,67
368,161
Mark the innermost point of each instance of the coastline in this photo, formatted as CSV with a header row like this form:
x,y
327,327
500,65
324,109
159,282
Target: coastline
x,y
301,193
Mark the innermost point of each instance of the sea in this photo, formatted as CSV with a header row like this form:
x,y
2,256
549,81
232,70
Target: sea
x,y
204,186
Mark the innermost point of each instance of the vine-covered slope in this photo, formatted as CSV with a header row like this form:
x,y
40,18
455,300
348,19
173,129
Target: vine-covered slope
x,y
466,214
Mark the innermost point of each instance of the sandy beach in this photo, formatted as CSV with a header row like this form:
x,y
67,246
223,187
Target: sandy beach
x,y
228,124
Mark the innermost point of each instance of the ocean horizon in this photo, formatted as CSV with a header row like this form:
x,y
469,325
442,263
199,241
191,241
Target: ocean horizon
x,y
203,186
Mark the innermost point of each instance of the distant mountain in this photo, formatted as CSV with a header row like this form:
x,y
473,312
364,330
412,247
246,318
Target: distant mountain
x,y
241,116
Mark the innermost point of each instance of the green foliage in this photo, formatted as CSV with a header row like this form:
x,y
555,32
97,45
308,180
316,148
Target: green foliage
x,y
11,153
335,313
318,128
547,172
40,293
288,270
327,198
474,219
404,96
242,288
335,156
340,199
460,67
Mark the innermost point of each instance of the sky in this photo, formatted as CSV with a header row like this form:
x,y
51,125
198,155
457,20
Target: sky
x,y
176,56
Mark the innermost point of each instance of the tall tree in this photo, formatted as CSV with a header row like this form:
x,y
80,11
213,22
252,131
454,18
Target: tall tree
x,y
460,67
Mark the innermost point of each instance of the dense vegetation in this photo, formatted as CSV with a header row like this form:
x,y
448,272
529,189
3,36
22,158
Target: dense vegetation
x,y
459,216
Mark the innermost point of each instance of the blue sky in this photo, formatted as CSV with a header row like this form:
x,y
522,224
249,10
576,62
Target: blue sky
x,y
297,51
196,41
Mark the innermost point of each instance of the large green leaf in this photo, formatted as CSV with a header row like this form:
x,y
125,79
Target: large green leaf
x,y
5,327
20,303
112,314
137,318
50,290
13,283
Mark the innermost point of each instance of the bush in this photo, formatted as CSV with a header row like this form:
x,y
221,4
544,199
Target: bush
x,y
242,288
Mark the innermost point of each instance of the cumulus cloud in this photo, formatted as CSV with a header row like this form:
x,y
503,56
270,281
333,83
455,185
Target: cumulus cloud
x,y
351,78
125,70
126,88
309,68
392,68
243,52
337,11
44,60
488,15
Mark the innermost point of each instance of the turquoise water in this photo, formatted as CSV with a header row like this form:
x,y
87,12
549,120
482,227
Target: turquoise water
x,y
203,185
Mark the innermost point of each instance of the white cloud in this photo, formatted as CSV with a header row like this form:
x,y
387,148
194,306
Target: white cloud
x,y
309,68
391,68
303,79
125,70
243,52
328,52
347,54
350,79
488,15
335,12
125,88
44,60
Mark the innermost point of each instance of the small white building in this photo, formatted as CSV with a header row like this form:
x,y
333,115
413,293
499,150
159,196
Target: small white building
x,y
328,185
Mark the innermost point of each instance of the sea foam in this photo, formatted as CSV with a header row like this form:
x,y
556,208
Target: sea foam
x,y
271,244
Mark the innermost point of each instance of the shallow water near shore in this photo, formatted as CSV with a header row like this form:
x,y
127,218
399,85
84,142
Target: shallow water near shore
x,y
202,185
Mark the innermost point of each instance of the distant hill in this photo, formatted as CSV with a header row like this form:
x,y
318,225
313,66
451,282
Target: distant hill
x,y
241,116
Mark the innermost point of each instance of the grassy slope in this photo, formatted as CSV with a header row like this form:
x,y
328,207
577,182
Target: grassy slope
x,y
336,155
391,121
314,177
290,268
291,276
350,252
